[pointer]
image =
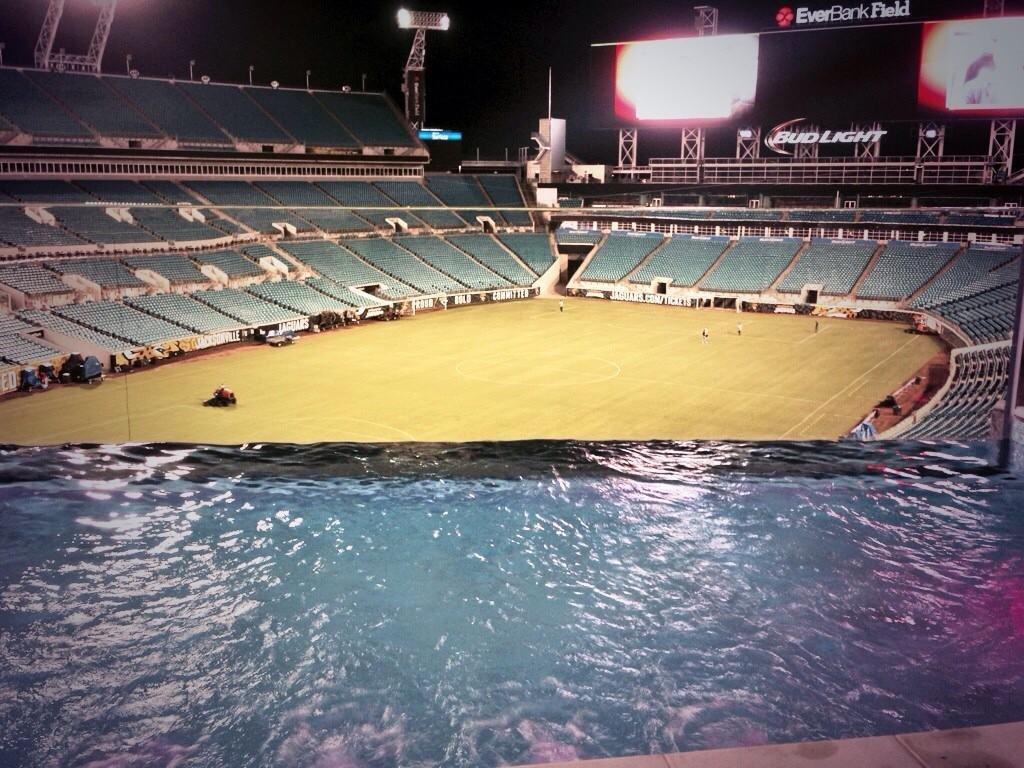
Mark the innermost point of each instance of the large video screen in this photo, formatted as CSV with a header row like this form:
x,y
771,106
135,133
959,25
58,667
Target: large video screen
x,y
973,67
686,79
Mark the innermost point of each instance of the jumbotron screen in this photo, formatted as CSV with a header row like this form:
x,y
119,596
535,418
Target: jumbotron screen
x,y
686,78
966,69
973,67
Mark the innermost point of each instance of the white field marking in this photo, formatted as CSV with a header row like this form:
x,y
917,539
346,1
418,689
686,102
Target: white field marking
x,y
335,417
708,387
848,386
811,336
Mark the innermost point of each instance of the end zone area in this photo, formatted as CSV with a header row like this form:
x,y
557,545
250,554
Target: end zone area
x,y
597,370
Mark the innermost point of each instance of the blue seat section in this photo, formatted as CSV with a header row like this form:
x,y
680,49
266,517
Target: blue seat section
x,y
121,321
95,225
619,255
18,229
358,194
416,196
27,107
824,215
168,224
577,237
297,193
486,250
970,266
335,220
302,116
462,193
298,297
169,109
184,311
45,191
981,219
504,192
95,104
533,249
215,219
236,113
403,266
369,117
343,294
231,263
984,309
175,267
264,219
53,322
18,349
119,192
170,192
231,193
684,259
835,264
903,268
260,251
106,273
342,267
747,214
900,217
752,264
244,307
32,280
444,257
964,412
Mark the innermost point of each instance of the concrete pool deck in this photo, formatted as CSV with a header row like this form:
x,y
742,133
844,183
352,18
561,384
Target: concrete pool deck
x,y
988,746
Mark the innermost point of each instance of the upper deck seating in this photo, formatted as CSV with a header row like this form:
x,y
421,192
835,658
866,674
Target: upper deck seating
x,y
619,255
835,264
89,99
684,259
752,264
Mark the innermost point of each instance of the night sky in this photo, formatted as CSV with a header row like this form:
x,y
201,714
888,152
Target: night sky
x,y
487,76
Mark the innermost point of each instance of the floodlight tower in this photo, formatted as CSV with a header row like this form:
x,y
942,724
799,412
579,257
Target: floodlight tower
x,y
90,62
414,83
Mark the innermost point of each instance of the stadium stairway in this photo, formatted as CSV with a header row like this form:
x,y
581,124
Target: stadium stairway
x,y
714,265
868,269
773,288
629,275
575,277
945,268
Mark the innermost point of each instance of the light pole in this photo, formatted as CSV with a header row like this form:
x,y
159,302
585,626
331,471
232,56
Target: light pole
x,y
414,81
251,68
308,73
364,82
2,46
191,67
128,64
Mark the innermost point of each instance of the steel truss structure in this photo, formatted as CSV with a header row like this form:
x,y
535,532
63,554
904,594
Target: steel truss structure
x,y
45,58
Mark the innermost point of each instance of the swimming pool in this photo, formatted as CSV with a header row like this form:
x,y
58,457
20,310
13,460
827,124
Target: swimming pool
x,y
481,604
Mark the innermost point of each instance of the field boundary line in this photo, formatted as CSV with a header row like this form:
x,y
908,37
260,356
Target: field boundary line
x,y
842,391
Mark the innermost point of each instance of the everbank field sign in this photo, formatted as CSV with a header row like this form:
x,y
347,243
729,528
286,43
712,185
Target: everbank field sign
x,y
837,14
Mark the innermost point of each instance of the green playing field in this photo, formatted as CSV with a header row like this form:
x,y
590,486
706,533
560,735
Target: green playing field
x,y
598,370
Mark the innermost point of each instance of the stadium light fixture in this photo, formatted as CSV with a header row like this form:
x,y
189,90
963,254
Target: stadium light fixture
x,y
931,133
745,133
423,20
